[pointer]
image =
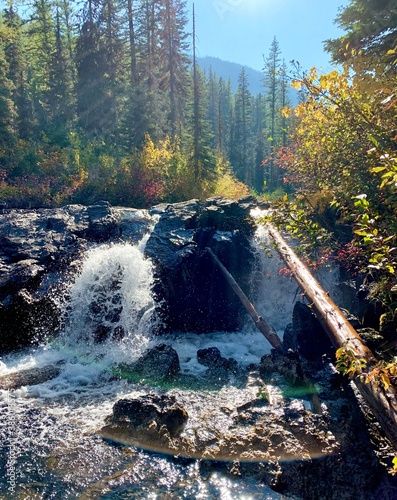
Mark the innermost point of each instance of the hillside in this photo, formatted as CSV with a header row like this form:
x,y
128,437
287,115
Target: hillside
x,y
227,69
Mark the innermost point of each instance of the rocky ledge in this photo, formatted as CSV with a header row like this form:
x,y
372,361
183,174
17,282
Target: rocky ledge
x,y
41,248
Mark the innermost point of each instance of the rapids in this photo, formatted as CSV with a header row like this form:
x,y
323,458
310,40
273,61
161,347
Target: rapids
x,y
50,445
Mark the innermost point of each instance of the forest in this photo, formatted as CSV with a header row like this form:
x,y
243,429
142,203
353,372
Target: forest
x,y
105,99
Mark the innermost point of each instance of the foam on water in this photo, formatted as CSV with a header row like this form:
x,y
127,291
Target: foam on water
x,y
110,300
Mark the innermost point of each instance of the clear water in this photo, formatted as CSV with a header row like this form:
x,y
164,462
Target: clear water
x,y
50,446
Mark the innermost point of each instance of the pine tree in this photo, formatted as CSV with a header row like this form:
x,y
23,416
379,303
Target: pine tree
x,y
97,71
202,157
7,114
112,51
60,99
272,84
371,29
41,31
242,158
173,54
17,74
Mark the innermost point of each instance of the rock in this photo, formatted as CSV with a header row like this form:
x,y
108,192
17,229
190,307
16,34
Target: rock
x,y
39,247
158,364
312,341
141,413
211,357
286,365
190,291
32,376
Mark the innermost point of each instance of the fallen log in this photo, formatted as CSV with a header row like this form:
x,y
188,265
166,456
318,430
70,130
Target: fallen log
x,y
260,323
382,403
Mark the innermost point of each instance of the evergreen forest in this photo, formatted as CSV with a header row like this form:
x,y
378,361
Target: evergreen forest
x,y
105,100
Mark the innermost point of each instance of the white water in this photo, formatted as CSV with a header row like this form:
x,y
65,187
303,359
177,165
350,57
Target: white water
x,y
113,290
119,278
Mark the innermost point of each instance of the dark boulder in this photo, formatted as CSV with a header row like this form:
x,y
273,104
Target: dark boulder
x,y
150,413
211,357
190,291
312,342
157,364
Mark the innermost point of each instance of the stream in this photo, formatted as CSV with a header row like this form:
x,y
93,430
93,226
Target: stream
x,y
50,433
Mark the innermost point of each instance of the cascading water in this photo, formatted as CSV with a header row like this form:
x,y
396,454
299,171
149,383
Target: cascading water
x,y
109,304
50,428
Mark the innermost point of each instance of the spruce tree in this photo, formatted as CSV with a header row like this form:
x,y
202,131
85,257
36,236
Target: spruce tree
x,y
174,60
25,123
242,157
7,113
272,87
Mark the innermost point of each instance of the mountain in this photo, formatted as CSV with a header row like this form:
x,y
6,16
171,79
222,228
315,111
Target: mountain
x,y
226,69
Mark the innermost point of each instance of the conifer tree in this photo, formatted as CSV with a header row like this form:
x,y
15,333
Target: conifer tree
x,y
17,74
41,33
370,28
61,99
173,55
272,87
7,114
242,156
202,157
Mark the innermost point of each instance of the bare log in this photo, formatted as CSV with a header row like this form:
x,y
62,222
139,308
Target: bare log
x,y
260,323
382,403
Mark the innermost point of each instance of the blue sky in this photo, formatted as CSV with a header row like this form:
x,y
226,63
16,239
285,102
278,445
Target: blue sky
x,y
242,30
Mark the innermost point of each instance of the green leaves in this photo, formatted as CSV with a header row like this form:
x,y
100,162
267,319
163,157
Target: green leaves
x,y
348,363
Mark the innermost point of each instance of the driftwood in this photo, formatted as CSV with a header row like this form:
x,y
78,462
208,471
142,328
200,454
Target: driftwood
x,y
260,323
382,403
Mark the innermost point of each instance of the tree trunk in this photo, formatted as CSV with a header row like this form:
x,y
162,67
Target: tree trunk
x,y
262,326
382,403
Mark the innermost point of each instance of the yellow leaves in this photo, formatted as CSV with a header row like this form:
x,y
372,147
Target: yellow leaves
x,y
296,84
348,363
286,112
382,373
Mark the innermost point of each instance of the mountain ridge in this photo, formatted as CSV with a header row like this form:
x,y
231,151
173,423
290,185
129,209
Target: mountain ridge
x,y
228,69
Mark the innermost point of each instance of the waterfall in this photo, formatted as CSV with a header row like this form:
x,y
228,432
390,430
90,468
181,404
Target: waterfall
x,y
108,309
274,291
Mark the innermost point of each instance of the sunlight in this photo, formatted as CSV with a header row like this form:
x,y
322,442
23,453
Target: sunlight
x,y
226,8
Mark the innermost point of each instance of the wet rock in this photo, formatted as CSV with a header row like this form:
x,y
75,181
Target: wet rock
x,y
286,365
32,376
150,413
312,341
190,291
159,363
36,248
211,357
218,367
